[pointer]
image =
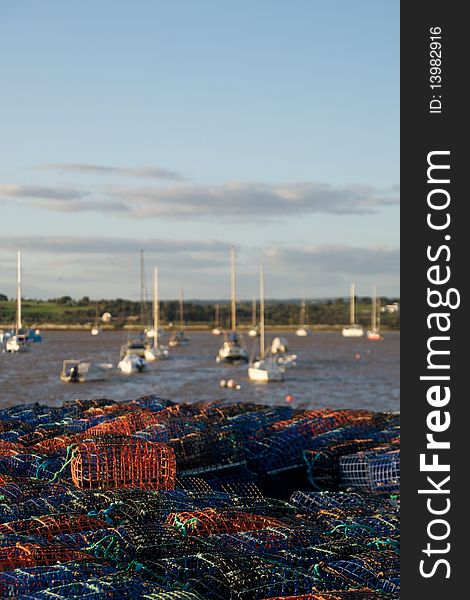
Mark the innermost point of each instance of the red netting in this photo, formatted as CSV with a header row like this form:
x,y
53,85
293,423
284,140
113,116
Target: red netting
x,y
32,555
114,462
126,424
49,526
212,521
10,448
56,444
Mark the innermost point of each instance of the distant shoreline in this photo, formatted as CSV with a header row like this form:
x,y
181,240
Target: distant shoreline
x,y
200,327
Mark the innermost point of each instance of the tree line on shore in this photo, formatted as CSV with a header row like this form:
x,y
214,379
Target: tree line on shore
x,y
68,311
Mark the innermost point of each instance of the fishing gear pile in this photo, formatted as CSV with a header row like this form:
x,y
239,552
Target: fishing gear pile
x,y
152,499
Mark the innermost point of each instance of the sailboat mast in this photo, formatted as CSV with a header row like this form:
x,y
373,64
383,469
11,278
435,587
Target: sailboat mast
x,y
302,313
156,308
217,315
143,311
261,312
181,308
374,309
233,287
352,313
19,324
253,313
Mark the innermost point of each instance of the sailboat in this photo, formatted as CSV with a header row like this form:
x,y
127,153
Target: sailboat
x,y
353,329
158,350
217,328
254,331
232,351
139,345
265,368
373,333
302,330
179,337
18,342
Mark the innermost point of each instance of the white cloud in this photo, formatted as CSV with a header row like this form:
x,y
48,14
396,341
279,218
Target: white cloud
x,y
233,201
141,172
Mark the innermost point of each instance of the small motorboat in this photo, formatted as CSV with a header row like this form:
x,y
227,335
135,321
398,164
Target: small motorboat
x,y
77,371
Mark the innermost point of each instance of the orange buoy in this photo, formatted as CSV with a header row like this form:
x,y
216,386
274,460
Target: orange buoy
x,y
289,398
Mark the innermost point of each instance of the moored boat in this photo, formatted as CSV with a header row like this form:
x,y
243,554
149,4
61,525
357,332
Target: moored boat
x,y
77,371
18,341
232,350
266,367
373,334
353,329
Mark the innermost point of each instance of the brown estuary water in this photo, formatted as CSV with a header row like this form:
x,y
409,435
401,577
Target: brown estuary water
x,y
331,371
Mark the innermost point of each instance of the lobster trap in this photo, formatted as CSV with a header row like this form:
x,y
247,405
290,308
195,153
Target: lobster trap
x,y
377,472
118,462
212,521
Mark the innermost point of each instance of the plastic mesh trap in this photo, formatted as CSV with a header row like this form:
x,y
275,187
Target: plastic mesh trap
x,y
351,502
35,554
49,526
374,472
283,448
29,580
253,581
10,448
208,451
116,462
212,521
354,594
122,588
361,571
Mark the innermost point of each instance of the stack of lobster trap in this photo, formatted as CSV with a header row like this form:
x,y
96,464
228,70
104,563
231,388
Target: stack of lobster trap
x,y
153,499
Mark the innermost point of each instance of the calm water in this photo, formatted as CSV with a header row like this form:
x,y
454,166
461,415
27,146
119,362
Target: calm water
x,y
328,372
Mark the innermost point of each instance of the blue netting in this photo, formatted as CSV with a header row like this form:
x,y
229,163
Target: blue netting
x,y
375,472
21,582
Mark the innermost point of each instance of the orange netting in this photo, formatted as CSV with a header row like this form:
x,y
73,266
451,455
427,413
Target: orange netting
x,y
56,444
21,556
50,525
125,424
211,521
10,448
109,462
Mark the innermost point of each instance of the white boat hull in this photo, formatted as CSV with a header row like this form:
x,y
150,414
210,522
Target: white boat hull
x,y
16,345
302,332
131,364
155,354
83,372
265,374
353,331
232,354
374,336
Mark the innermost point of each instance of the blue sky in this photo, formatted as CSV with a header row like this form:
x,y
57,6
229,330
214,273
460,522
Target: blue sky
x,y
185,127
